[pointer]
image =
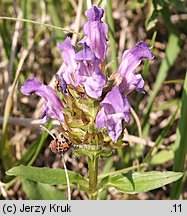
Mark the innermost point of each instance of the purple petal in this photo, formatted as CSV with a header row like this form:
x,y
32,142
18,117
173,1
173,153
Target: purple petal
x,y
131,82
91,77
54,105
69,73
115,102
94,13
44,118
101,119
68,53
49,112
96,32
86,54
140,83
94,85
131,59
115,108
114,126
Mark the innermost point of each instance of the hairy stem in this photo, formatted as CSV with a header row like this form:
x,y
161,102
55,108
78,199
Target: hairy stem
x,y
93,176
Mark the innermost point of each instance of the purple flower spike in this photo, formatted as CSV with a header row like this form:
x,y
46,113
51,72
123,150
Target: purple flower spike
x,y
126,72
69,73
115,108
96,32
53,106
91,77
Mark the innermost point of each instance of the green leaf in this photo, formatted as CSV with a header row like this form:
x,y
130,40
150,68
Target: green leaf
x,y
5,153
166,105
162,157
140,182
179,5
46,175
180,143
151,19
41,191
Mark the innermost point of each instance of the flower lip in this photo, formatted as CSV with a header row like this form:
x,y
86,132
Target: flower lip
x,y
128,79
112,114
91,77
143,49
32,85
54,105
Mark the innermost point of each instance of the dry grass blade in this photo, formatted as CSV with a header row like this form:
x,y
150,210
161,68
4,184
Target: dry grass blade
x,y
38,23
9,101
74,39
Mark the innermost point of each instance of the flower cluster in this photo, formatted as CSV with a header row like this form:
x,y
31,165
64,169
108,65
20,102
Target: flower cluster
x,y
90,106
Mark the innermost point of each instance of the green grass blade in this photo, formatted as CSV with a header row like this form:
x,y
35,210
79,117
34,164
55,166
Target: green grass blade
x,y
112,40
5,35
40,144
52,10
26,6
181,143
160,139
38,23
172,51
5,152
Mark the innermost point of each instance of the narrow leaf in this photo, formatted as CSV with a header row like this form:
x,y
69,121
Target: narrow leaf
x,y
46,175
181,143
41,191
140,182
162,157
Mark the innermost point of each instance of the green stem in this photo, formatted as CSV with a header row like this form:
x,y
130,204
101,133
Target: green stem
x,y
93,176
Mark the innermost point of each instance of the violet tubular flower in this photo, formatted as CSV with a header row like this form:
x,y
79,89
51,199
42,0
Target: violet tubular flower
x,y
82,68
96,32
69,73
53,106
115,108
128,79
91,77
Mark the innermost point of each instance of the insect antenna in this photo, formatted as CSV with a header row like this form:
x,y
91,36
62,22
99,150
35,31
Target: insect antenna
x,y
48,131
